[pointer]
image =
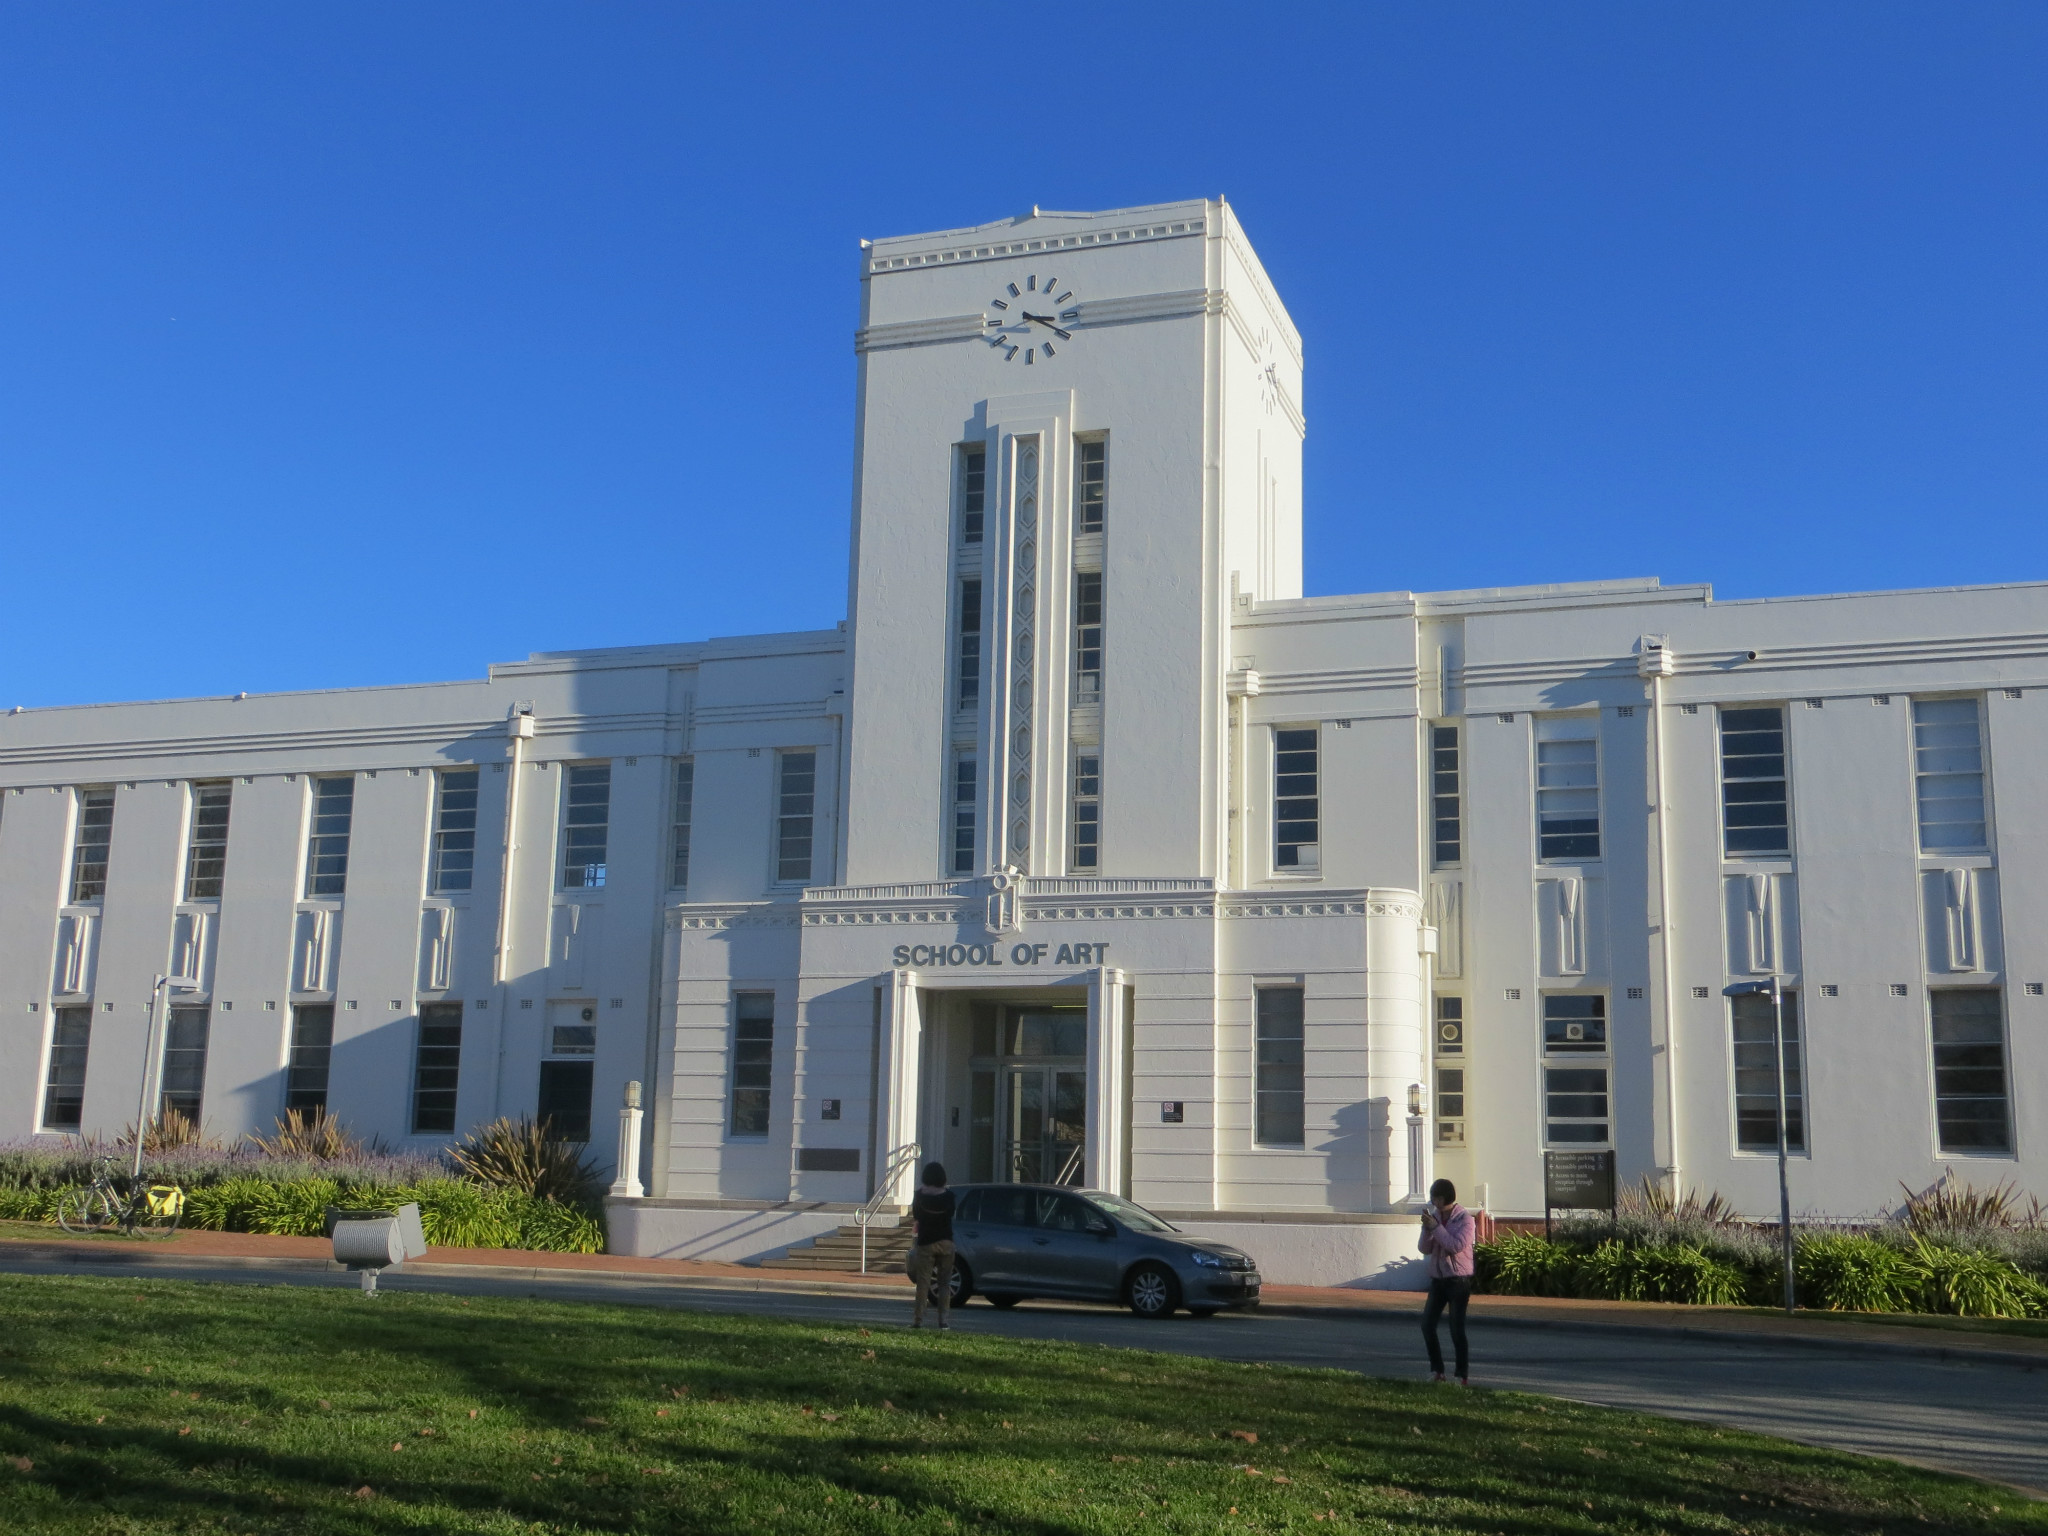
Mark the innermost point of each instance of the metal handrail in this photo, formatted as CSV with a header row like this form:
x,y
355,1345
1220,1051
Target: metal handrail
x,y
893,1167
1070,1171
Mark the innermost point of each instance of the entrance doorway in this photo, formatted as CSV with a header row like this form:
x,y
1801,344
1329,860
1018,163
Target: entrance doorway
x,y
1030,1094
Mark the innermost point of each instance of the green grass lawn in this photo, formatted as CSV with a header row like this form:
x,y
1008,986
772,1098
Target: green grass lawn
x,y
161,1406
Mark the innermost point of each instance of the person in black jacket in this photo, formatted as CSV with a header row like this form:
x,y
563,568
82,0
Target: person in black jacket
x,y
931,1253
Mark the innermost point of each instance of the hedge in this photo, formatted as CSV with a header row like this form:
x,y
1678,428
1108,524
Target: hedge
x,y
1831,1272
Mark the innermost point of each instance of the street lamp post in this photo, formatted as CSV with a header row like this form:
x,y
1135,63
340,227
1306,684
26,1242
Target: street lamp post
x,y
1775,989
163,984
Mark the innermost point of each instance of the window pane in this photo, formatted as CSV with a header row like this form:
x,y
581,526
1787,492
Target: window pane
x,y
206,846
679,847
93,838
586,825
1575,1105
753,1061
964,806
1948,765
64,1093
1756,1083
795,803
1087,811
1446,837
1297,814
1574,1023
183,1083
437,1066
1092,498
311,1051
1971,1107
454,854
1279,1089
1567,799
1087,636
1754,811
327,845
973,493
967,689
564,1098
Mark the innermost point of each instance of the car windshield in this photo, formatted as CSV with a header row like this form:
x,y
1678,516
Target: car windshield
x,y
1136,1217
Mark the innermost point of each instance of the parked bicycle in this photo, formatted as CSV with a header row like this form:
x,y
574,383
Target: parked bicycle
x,y
114,1199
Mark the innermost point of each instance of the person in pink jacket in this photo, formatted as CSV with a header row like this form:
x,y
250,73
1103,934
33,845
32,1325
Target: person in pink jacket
x,y
1447,1235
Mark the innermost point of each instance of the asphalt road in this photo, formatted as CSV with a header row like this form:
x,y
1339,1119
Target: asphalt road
x,y
1986,1417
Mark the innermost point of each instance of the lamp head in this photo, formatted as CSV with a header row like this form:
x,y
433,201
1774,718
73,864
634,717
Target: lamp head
x,y
1746,989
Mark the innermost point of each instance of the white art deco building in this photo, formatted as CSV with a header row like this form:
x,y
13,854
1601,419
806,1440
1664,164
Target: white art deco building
x,y
1086,846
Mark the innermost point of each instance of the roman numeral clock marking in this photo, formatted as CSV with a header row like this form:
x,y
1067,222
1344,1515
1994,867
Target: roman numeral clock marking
x,y
1012,327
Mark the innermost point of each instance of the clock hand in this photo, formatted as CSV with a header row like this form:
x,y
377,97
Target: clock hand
x,y
1047,322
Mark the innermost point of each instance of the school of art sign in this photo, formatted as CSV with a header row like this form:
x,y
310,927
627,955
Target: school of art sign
x,y
934,956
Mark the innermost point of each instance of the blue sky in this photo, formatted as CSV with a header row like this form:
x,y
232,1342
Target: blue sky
x,y
373,343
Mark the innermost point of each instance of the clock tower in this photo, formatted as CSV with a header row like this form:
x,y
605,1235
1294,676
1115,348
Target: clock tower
x,y
1078,447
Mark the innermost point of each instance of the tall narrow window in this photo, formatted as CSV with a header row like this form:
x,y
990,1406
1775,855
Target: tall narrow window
x,y
1087,636
1754,816
1278,1111
679,831
973,493
795,805
1091,500
964,801
586,825
967,688
1450,1070
1756,1081
1446,829
1948,761
437,1064
206,842
753,1061
334,802
184,1076
1575,1086
90,844
305,1079
1972,1108
1568,798
1087,810
454,860
64,1090
1297,802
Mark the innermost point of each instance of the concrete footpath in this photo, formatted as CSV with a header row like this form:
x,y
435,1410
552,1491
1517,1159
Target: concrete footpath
x,y
255,1251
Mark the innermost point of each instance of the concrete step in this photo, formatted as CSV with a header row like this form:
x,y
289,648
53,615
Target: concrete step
x,y
887,1248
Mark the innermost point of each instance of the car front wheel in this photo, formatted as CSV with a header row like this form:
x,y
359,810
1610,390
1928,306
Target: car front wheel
x,y
963,1283
1152,1291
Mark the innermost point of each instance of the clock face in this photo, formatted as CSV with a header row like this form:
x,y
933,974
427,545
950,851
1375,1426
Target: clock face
x,y
1029,320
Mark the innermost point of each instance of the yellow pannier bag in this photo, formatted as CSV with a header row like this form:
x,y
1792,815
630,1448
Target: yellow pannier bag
x,y
166,1200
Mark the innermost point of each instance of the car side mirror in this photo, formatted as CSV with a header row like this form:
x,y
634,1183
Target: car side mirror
x,y
1101,1228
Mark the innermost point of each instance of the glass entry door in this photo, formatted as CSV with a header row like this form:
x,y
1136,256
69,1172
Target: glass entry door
x,y
1047,1115
1030,1094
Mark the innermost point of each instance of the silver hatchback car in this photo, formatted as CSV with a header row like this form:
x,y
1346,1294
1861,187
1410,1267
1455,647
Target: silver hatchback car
x,y
1019,1240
